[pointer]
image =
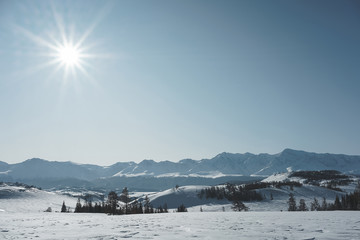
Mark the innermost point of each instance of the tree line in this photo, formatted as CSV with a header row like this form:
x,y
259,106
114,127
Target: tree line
x,y
346,202
245,192
230,192
113,206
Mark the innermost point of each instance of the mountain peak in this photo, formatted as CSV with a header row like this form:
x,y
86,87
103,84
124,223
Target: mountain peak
x,y
147,161
35,160
292,151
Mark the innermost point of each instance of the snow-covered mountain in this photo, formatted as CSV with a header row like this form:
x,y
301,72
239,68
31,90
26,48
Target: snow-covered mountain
x,y
223,164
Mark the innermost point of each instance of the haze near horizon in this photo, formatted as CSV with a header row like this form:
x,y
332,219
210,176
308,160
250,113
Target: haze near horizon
x,y
109,81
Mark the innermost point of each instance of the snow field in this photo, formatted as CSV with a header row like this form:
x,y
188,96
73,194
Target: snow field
x,y
206,225
32,200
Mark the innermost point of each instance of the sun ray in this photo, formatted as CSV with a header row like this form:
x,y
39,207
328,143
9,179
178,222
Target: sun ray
x,y
65,51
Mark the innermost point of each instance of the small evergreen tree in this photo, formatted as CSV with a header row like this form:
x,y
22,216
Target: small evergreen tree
x,y
324,205
315,206
291,203
165,208
146,205
302,205
124,197
337,203
113,202
63,208
140,208
78,207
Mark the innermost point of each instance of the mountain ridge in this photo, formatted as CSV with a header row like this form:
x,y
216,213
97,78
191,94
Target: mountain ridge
x,y
225,163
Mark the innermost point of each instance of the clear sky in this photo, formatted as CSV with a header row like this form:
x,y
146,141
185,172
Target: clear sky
x,y
108,81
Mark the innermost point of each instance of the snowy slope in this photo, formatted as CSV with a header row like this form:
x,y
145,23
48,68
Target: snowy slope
x,y
20,199
186,195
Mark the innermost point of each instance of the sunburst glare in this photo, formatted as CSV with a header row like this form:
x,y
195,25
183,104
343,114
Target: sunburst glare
x,y
69,55
66,51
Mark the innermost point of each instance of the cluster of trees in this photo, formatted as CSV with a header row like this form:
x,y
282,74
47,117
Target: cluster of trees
x,y
292,204
347,202
333,178
238,206
181,208
235,193
319,175
230,192
245,192
113,206
261,185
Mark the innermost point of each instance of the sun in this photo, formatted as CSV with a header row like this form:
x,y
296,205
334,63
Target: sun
x,y
66,49
69,55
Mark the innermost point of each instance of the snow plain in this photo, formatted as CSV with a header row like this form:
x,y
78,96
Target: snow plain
x,y
192,225
22,216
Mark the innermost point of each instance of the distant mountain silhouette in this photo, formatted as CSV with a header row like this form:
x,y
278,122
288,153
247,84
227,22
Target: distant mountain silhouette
x,y
224,164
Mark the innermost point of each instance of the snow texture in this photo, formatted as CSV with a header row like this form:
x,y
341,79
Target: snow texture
x,y
209,225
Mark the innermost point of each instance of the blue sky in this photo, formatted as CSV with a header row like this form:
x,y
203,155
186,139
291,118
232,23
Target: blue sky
x,y
168,80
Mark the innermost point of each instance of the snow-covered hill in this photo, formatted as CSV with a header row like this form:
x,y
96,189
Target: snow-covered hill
x,y
25,199
187,195
275,196
274,190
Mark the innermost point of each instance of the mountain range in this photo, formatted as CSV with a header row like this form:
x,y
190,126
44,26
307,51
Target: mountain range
x,y
223,165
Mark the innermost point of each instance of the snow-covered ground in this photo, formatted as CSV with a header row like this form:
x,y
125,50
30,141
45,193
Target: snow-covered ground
x,y
205,225
22,216
19,199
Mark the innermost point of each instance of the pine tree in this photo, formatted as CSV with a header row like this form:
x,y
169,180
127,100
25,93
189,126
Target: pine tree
x,y
324,205
337,203
291,203
140,208
63,208
315,206
165,208
124,197
302,205
112,201
90,207
160,209
146,205
78,206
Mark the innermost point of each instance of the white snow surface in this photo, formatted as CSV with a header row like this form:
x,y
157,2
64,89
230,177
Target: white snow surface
x,y
19,199
209,225
277,177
